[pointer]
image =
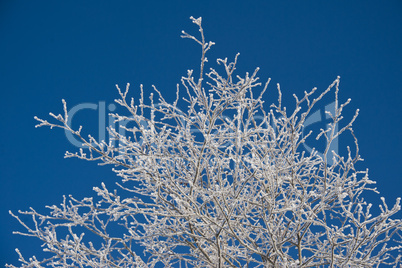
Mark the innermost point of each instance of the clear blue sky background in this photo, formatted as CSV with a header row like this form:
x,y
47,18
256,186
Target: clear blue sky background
x,y
78,50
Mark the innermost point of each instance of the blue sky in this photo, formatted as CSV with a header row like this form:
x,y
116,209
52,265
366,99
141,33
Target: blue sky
x,y
78,50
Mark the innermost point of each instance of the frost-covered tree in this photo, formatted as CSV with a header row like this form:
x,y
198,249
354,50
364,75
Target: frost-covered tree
x,y
222,183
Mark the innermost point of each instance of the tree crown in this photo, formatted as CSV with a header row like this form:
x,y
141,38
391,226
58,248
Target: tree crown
x,y
224,183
